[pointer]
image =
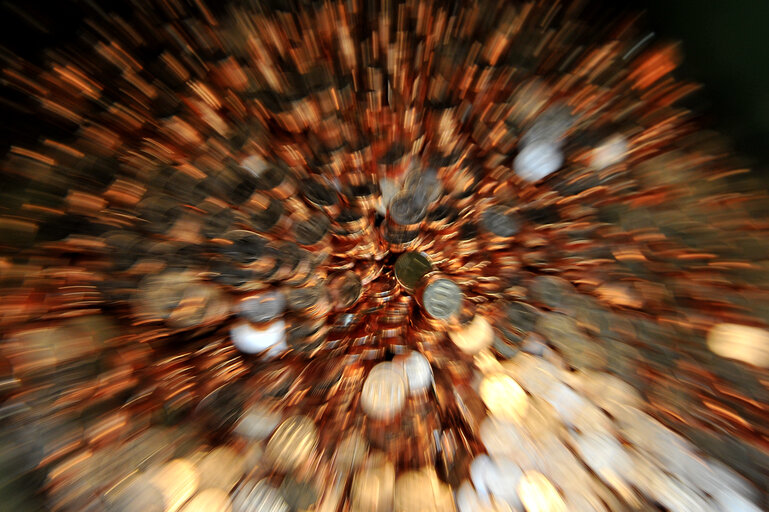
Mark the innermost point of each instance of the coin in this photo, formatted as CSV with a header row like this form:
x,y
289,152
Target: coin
x,y
406,209
300,299
410,267
318,194
442,299
537,161
257,423
298,494
177,480
384,392
221,468
537,493
292,443
503,396
258,496
474,337
345,289
418,372
311,231
252,340
372,488
209,500
262,307
496,477
499,221
741,342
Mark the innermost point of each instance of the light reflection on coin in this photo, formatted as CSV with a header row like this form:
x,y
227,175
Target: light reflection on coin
x,y
538,494
474,337
503,397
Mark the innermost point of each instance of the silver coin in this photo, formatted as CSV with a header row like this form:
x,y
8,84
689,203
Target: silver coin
x,y
406,208
499,221
263,307
384,392
442,299
258,497
538,160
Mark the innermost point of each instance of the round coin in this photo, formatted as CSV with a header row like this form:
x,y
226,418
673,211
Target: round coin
x,y
407,209
263,307
292,443
384,392
498,221
410,267
345,289
442,299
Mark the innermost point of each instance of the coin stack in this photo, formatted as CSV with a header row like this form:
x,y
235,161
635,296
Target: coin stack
x,y
350,256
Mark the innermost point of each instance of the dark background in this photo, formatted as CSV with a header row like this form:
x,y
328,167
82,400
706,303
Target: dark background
x,y
726,47
725,44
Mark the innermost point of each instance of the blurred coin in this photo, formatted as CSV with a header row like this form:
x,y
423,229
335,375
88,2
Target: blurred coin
x,y
350,452
263,307
424,183
741,342
410,267
292,443
299,494
496,477
220,468
257,423
384,392
499,221
504,398
538,160
406,209
610,152
418,372
473,337
135,494
258,497
209,500
252,340
442,299
372,488
311,231
539,495
344,289
177,480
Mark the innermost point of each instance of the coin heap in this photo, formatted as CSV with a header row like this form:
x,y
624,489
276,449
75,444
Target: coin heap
x,y
374,256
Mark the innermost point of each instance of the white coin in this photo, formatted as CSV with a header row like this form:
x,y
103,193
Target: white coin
x,y
496,477
255,164
209,500
538,494
384,392
504,398
538,160
270,340
474,337
258,497
741,342
257,423
221,468
418,372
610,152
177,480
372,489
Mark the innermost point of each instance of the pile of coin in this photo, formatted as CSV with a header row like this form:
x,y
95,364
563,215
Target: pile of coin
x,y
375,256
